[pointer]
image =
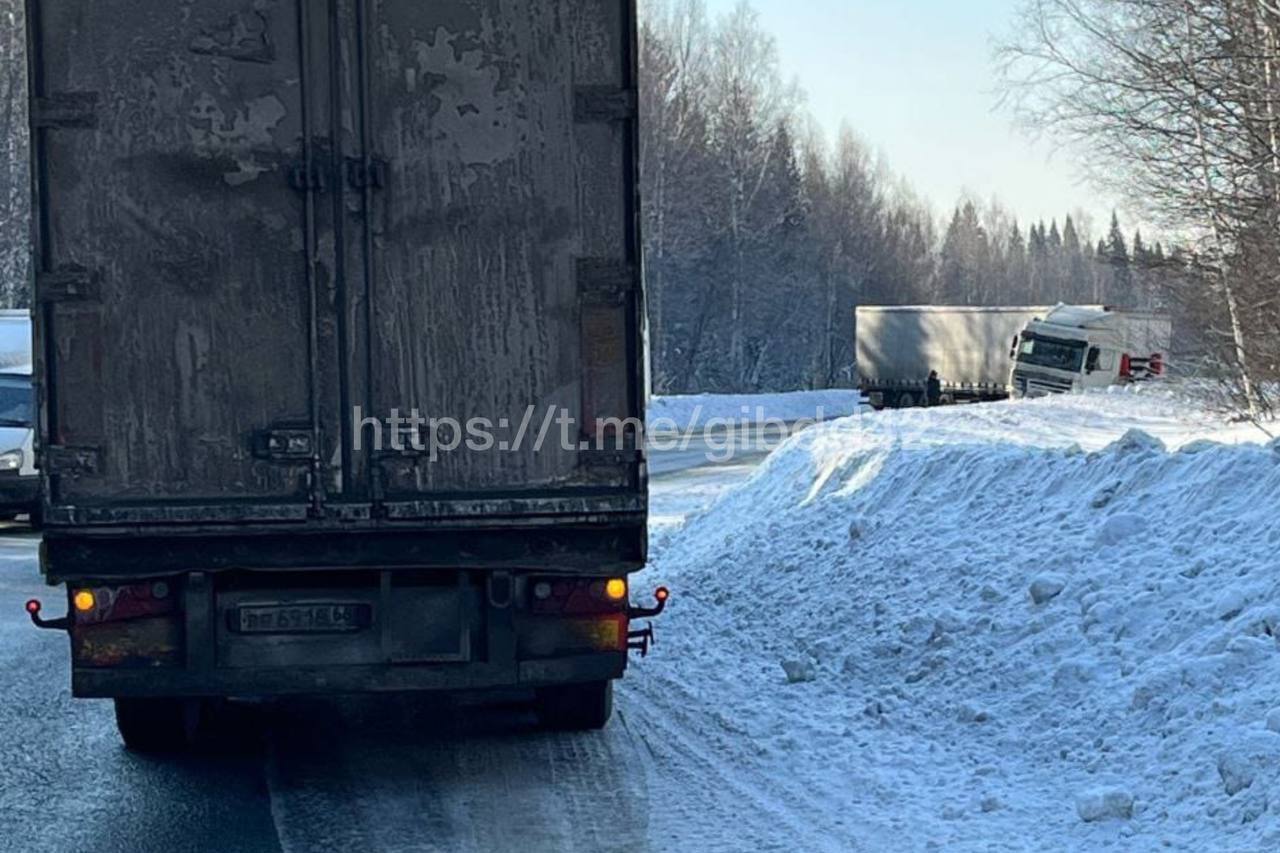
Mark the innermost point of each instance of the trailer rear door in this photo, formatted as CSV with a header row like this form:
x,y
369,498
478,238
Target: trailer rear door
x,y
259,223
187,372
504,273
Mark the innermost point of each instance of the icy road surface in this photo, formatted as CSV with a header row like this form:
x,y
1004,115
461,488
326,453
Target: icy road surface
x,y
1020,626
375,774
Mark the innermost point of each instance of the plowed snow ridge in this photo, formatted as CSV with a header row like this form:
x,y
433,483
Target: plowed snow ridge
x,y
889,561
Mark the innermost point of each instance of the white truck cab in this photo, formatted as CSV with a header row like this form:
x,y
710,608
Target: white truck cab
x,y
1077,347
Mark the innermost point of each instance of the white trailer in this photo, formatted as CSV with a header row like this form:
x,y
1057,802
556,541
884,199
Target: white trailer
x,y
969,347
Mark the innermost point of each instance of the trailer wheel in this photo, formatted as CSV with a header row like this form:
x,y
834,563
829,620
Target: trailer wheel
x,y
905,400
155,725
575,707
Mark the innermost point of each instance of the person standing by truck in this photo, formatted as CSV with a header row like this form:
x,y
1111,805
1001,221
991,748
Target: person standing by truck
x,y
933,390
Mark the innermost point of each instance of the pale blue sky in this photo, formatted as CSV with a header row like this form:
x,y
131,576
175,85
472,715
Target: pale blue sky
x,y
915,79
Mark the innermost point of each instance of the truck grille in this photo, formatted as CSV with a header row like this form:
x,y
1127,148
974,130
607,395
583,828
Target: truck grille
x,y
1038,384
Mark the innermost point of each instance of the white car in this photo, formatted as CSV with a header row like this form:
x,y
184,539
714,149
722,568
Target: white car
x,y
19,482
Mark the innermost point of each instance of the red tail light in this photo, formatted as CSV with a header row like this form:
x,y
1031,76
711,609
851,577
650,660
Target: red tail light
x,y
1126,367
1157,364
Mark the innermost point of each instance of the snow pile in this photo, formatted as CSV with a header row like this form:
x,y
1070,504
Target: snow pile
x,y
1047,623
694,412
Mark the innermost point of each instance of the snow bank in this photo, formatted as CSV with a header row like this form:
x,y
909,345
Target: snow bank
x,y
1038,624
680,413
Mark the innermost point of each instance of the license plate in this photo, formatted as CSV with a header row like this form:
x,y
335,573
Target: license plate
x,y
302,618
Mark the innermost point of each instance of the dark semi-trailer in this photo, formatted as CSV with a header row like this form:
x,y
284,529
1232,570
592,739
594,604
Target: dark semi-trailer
x,y
272,240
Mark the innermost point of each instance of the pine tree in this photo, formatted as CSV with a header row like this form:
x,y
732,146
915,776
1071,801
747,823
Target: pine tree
x,y
1016,275
1101,273
1077,284
1140,273
965,259
951,272
1038,265
1055,277
1116,255
780,297
1139,249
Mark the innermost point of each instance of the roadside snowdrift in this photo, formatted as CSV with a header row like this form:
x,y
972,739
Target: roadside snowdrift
x,y
1042,624
694,411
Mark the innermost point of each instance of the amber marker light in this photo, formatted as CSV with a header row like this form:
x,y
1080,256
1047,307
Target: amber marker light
x,y
616,589
84,601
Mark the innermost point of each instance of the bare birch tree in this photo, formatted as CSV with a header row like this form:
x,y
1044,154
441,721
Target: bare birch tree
x,y
1177,100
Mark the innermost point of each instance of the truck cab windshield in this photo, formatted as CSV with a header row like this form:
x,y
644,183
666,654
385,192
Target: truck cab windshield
x,y
17,401
1052,352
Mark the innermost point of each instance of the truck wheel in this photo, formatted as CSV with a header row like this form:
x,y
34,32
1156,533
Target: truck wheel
x,y
906,400
576,707
155,725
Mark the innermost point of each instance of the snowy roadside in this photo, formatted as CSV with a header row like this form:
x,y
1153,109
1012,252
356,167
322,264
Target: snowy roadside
x,y
1038,624
717,411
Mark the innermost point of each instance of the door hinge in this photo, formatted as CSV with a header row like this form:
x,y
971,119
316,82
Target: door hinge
x,y
65,110
603,104
69,284
56,459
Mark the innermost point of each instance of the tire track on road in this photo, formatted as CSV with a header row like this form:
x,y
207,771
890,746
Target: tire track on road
x,y
400,777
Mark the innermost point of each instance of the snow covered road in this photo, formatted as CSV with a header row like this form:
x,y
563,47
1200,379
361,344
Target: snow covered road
x,y
1013,627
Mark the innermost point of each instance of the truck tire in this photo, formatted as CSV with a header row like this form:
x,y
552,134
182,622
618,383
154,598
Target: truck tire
x,y
905,400
575,707
155,725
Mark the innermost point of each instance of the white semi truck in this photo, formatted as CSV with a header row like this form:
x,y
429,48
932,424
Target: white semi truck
x,y
988,353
